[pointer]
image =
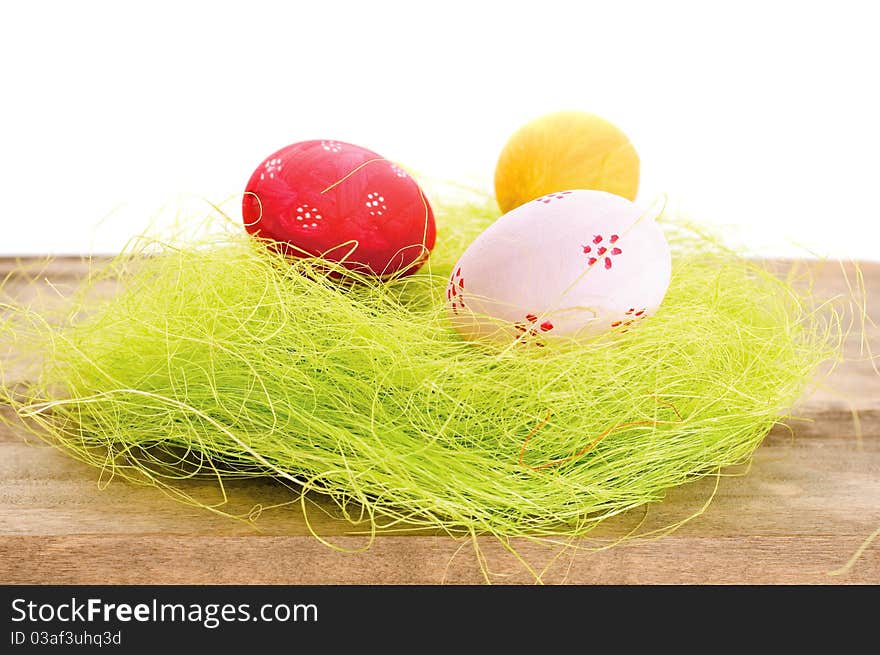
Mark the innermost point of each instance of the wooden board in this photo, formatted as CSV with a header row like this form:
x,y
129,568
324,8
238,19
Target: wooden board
x,y
801,511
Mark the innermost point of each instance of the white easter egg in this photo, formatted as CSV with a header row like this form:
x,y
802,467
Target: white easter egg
x,y
569,264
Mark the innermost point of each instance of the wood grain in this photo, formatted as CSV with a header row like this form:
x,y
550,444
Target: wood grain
x,y
810,498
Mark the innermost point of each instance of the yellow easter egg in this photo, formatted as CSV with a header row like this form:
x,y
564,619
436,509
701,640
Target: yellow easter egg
x,y
565,150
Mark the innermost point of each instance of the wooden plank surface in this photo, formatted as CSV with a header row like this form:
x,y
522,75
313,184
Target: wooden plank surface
x,y
806,504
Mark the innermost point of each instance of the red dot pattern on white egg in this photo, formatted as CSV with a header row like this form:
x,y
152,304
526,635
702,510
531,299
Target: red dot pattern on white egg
x,y
376,203
571,264
632,315
455,291
597,250
552,196
308,216
529,330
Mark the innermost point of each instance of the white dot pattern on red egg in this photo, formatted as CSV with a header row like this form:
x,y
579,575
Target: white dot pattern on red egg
x,y
572,263
308,216
271,167
376,203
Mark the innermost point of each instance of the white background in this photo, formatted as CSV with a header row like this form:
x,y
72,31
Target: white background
x,y
759,115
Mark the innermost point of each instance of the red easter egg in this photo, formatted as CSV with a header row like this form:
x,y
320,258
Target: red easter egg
x,y
343,203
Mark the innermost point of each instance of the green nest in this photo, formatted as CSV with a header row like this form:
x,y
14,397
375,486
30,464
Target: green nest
x,y
217,357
